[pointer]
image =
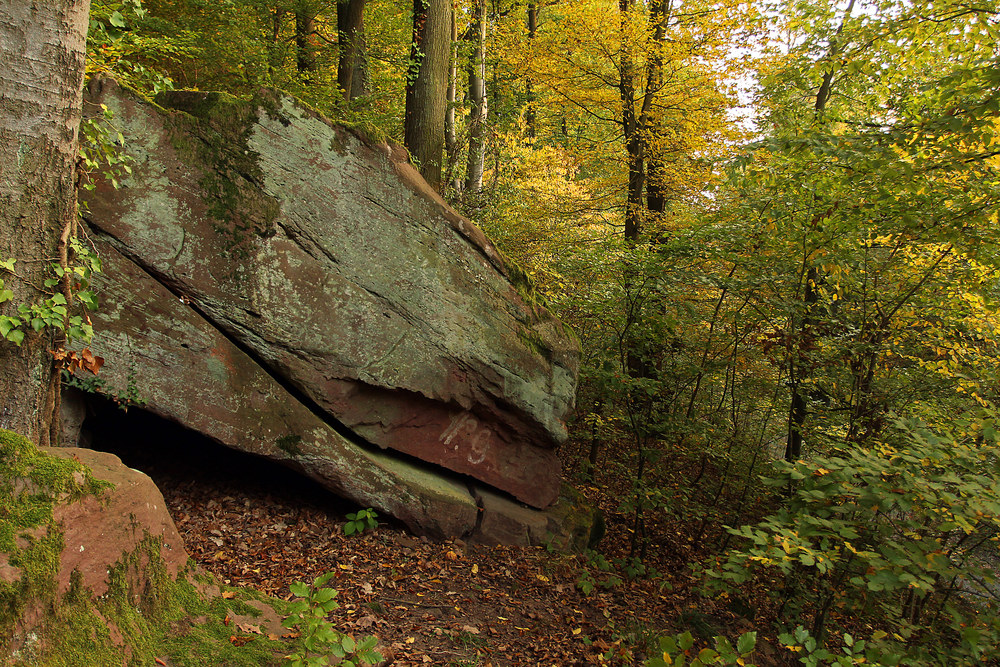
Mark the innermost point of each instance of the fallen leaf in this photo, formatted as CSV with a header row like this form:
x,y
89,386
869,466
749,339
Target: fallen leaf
x,y
247,627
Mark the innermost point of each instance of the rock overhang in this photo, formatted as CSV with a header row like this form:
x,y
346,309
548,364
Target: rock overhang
x,y
309,277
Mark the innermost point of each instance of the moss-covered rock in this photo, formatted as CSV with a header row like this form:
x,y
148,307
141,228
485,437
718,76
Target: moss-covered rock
x,y
65,601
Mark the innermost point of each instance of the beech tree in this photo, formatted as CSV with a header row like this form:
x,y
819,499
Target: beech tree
x,y
41,86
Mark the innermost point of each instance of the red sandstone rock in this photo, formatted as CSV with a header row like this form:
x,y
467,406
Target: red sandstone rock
x,y
325,262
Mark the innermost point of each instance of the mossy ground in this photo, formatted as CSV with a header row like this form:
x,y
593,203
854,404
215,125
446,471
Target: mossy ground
x,y
144,615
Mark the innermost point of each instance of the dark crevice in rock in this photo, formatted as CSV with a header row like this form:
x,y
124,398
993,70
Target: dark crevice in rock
x,y
172,454
480,511
185,298
226,333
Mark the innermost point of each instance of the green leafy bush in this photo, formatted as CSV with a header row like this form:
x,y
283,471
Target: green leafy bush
x,y
897,531
678,651
318,640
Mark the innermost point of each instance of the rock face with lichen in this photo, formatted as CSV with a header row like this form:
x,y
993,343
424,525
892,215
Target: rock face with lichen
x,y
293,290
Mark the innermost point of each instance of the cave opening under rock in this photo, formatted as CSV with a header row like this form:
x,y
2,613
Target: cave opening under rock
x,y
173,455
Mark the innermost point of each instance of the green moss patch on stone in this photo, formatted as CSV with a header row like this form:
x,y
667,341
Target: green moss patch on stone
x,y
144,614
213,132
291,444
30,541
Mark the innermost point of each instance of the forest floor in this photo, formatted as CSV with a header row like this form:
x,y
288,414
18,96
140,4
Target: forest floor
x,y
442,603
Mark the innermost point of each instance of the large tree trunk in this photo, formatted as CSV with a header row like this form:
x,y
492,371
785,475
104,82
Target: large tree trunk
x,y
477,96
427,85
352,64
41,85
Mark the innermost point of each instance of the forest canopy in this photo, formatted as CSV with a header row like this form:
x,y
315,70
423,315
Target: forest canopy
x,y
774,227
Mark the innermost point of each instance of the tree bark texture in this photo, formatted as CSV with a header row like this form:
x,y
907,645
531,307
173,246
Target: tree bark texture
x,y
427,86
305,50
352,64
477,96
41,83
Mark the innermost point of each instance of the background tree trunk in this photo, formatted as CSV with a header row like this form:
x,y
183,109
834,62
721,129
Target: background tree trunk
x,y
450,131
530,112
41,84
305,50
427,85
477,96
352,71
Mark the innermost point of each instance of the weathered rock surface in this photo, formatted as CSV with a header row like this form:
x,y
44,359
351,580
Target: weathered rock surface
x,y
291,290
98,531
192,374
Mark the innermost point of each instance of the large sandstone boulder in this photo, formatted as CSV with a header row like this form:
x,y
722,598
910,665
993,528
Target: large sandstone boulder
x,y
292,290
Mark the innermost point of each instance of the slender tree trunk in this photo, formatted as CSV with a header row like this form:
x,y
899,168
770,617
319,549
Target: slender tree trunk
x,y
41,85
450,131
530,111
427,87
275,49
798,410
477,96
635,122
352,70
634,146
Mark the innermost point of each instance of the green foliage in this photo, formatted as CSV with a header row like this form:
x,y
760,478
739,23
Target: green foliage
x,y
679,651
124,398
55,310
318,640
903,527
121,42
851,652
358,522
102,151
